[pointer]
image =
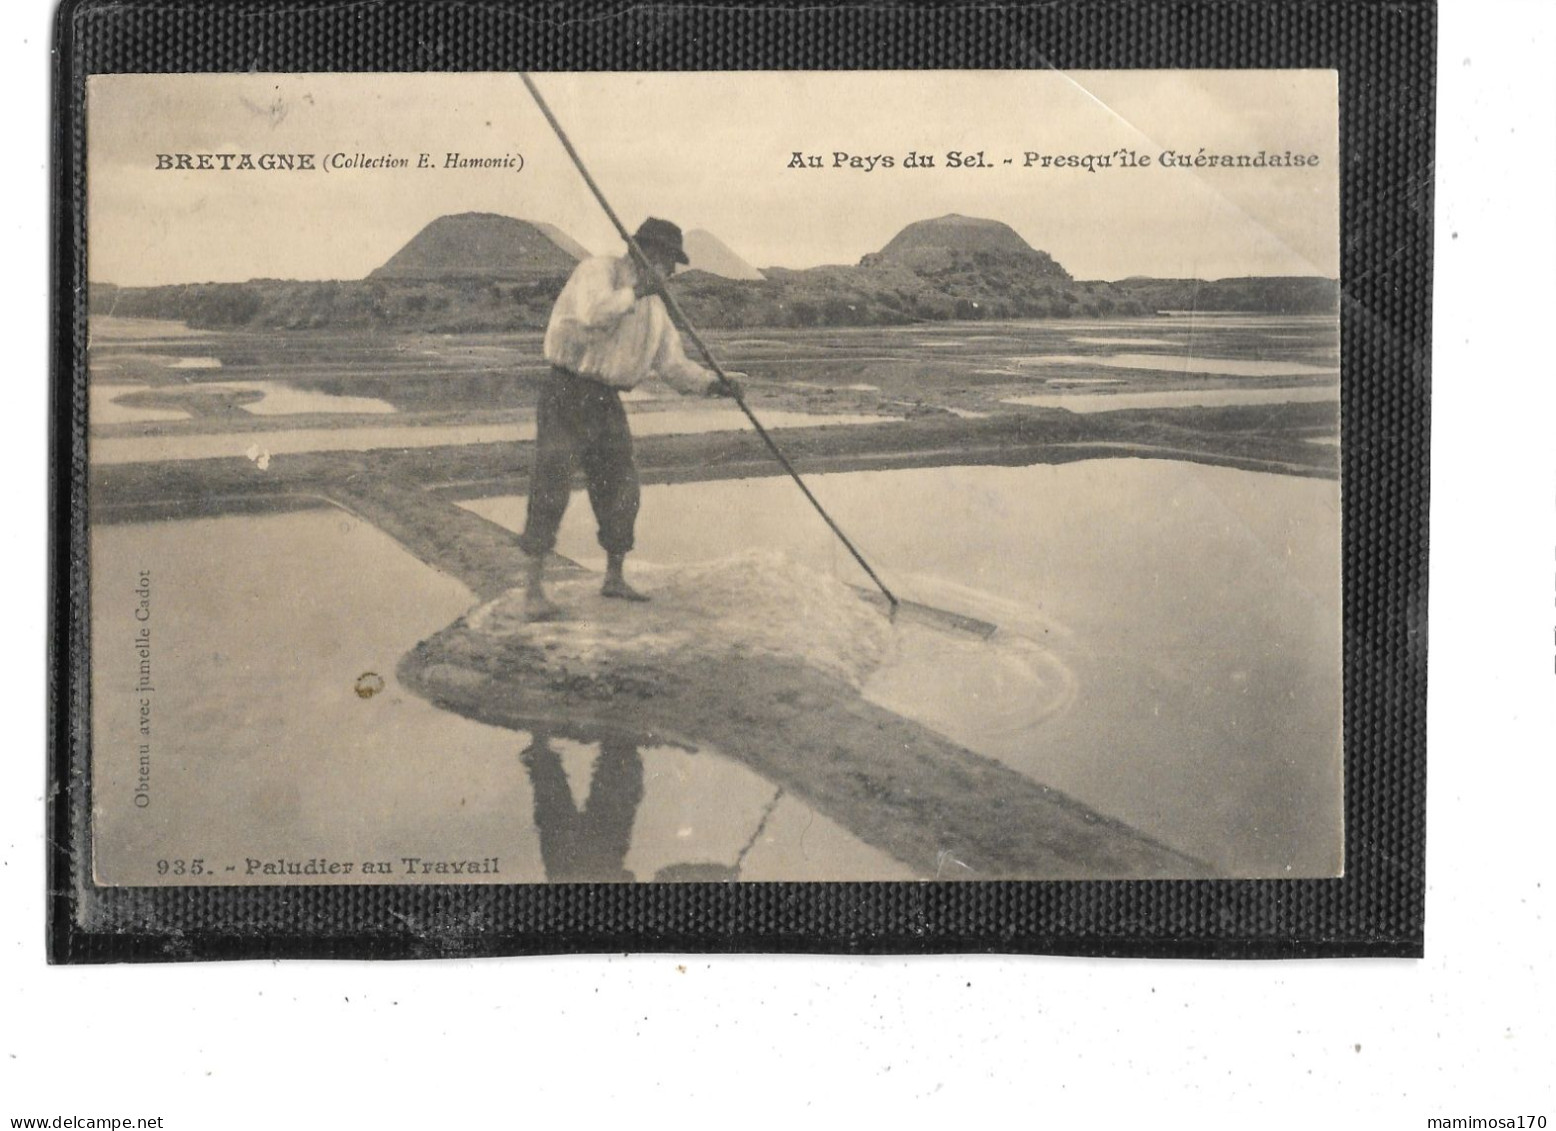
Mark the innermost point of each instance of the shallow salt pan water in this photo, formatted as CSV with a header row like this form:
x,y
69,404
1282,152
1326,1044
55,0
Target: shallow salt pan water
x,y
614,811
217,445
1169,363
261,747
232,445
107,328
1178,398
1169,643
105,360
973,691
1212,320
104,406
280,399
1122,341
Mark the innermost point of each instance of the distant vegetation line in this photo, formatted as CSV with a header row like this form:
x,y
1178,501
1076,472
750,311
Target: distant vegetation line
x,y
822,296
478,271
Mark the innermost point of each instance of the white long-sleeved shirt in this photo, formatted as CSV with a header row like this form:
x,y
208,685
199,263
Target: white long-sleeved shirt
x,y
599,329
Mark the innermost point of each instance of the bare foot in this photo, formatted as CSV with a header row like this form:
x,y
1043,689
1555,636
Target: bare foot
x,y
618,588
538,607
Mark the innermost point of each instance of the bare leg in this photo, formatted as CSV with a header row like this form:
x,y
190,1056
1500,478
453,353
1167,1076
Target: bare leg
x,y
615,584
537,606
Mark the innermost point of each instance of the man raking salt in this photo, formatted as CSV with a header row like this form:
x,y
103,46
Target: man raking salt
x,y
608,331
650,341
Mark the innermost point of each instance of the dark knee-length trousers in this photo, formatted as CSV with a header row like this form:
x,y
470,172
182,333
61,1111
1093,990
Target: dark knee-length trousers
x,y
580,422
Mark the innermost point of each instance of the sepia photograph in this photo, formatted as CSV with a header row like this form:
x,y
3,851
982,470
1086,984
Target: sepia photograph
x,y
779,563
663,477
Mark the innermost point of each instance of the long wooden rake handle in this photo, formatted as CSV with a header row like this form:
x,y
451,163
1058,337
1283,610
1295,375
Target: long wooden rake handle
x,y
678,316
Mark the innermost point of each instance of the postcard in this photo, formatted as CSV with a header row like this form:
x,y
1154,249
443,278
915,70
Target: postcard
x,y
766,477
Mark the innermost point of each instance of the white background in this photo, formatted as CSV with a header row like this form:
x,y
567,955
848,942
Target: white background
x,y
757,1041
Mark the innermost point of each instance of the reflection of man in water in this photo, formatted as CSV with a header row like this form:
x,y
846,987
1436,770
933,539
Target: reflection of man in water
x,y
608,332
590,845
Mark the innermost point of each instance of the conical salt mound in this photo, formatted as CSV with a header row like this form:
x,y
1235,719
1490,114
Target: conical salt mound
x,y
481,245
955,240
709,253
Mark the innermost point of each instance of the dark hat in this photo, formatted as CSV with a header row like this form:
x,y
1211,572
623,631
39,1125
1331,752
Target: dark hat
x,y
663,235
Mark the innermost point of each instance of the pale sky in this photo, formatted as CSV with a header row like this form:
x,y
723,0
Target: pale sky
x,y
712,151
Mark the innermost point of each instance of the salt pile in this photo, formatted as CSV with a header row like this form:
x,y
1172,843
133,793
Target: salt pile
x,y
756,605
